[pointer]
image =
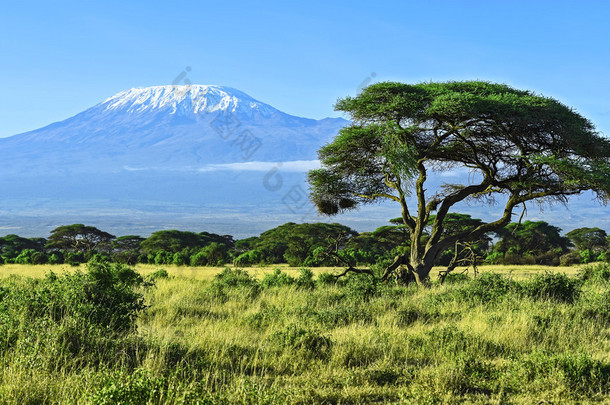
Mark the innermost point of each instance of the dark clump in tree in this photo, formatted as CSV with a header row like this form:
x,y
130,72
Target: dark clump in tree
x,y
519,147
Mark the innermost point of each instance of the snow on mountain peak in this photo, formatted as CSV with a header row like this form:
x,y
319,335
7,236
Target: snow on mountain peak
x,y
186,99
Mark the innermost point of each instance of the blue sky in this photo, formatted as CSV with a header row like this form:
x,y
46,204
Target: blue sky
x,y
59,58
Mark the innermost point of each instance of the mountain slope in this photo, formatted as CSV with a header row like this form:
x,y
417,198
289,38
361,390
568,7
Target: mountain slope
x,y
178,128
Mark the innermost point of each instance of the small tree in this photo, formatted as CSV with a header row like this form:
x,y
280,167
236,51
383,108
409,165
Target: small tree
x,y
518,145
79,238
593,239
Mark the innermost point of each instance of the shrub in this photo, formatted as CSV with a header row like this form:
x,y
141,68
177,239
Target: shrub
x,y
585,256
494,258
199,259
161,273
216,254
249,258
73,258
488,287
326,279
595,273
548,259
277,279
552,286
56,258
305,279
180,258
234,278
457,278
570,259
361,286
81,314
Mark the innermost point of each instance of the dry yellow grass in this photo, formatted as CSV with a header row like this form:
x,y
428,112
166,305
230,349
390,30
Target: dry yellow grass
x,y
207,273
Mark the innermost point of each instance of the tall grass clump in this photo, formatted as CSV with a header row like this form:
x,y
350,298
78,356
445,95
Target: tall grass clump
x,y
552,286
71,321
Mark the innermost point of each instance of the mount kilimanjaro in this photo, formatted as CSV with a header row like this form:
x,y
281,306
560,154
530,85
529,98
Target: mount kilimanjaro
x,y
166,128
163,157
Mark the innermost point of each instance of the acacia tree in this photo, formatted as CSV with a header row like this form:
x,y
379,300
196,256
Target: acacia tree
x,y
594,239
79,238
518,145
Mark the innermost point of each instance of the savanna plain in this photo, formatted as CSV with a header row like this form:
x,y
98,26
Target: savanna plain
x,y
105,333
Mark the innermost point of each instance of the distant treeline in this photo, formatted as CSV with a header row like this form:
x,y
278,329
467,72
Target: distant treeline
x,y
316,244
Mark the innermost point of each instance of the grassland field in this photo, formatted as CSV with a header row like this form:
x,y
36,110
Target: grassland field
x,y
208,336
207,273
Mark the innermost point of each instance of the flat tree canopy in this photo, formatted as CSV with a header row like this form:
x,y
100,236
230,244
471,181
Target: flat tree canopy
x,y
79,238
517,144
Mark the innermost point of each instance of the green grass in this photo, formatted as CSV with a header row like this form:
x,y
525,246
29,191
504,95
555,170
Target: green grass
x,y
215,341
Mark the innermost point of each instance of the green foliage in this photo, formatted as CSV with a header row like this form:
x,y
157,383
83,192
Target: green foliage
x,y
159,274
487,288
216,254
595,273
588,238
305,279
361,287
400,133
249,258
137,388
234,278
295,243
12,245
79,238
552,286
277,279
530,239
570,258
585,256
303,340
213,342
457,278
326,279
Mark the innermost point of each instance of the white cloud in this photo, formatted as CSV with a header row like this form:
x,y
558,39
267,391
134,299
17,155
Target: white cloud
x,y
292,166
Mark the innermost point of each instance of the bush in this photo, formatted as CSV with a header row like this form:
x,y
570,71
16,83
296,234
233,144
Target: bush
x,y
234,278
361,286
161,273
326,279
56,258
595,273
548,259
457,278
552,286
570,259
277,279
180,259
249,258
487,288
199,259
305,279
81,314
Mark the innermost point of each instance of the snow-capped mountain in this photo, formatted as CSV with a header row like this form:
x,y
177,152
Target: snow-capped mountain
x,y
183,128
165,152
188,100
